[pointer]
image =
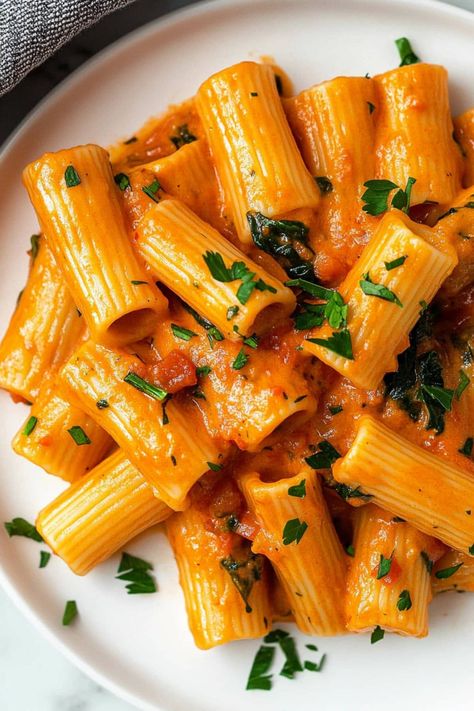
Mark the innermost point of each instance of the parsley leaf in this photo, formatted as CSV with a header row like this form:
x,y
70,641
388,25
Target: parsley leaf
x,y
21,527
238,270
122,181
35,244
203,370
71,177
340,342
44,558
447,572
240,360
377,634
310,316
298,490
30,425
395,263
145,387
180,332
407,55
135,571
347,492
464,381
152,189
214,467
286,241
258,677
70,612
323,459
377,194
294,530
102,404
382,292
384,566
292,660
78,435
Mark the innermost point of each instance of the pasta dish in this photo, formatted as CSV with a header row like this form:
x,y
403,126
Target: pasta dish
x,y
253,321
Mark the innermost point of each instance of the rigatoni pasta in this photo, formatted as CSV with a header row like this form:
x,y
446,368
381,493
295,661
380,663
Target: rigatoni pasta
x,y
74,195
255,323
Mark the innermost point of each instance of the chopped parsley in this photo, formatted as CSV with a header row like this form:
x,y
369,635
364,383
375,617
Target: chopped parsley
x,y
323,459
292,659
376,196
447,572
340,343
244,574
404,601
350,550
384,566
213,333
298,490
347,492
371,107
182,136
335,409
240,360
71,177
238,271
214,467
138,282
21,527
136,572
395,263
122,181
44,558
294,531
102,404
31,423
78,435
286,241
70,612
258,677
183,333
152,189
203,370
145,387
407,55
309,316
471,549
324,185
377,634
382,292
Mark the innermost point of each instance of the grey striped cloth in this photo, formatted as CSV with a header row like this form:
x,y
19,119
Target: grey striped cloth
x,y
32,30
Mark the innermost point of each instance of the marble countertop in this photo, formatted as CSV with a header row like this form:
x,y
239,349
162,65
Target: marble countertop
x,y
33,675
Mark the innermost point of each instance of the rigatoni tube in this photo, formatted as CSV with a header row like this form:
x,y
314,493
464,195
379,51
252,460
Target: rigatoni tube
x,y
298,537
43,330
420,487
413,115
209,273
255,153
216,610
75,198
334,127
389,583
64,441
384,301
99,514
167,443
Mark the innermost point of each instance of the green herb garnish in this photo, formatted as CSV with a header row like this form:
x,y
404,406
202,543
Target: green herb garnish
x,y
466,449
395,263
31,423
298,490
377,635
427,561
376,196
135,571
71,177
102,404
340,342
323,459
240,360
78,435
447,572
407,55
244,574
44,558
237,271
122,181
382,292
145,387
70,612
384,566
21,527
183,333
183,136
258,677
286,241
294,531
324,185
152,189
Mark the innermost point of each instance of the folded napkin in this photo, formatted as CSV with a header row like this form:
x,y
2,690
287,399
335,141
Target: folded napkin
x,y
32,30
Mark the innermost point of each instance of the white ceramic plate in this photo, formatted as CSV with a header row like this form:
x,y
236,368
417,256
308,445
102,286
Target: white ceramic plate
x,y
139,646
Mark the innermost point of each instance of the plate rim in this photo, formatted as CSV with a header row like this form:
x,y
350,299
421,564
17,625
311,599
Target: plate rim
x,y
202,7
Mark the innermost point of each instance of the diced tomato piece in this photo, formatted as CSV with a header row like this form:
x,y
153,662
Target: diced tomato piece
x,y
175,372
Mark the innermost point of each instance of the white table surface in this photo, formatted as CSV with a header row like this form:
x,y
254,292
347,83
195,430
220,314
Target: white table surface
x,y
34,676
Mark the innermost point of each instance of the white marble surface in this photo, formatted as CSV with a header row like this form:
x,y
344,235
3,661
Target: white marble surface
x,y
36,677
